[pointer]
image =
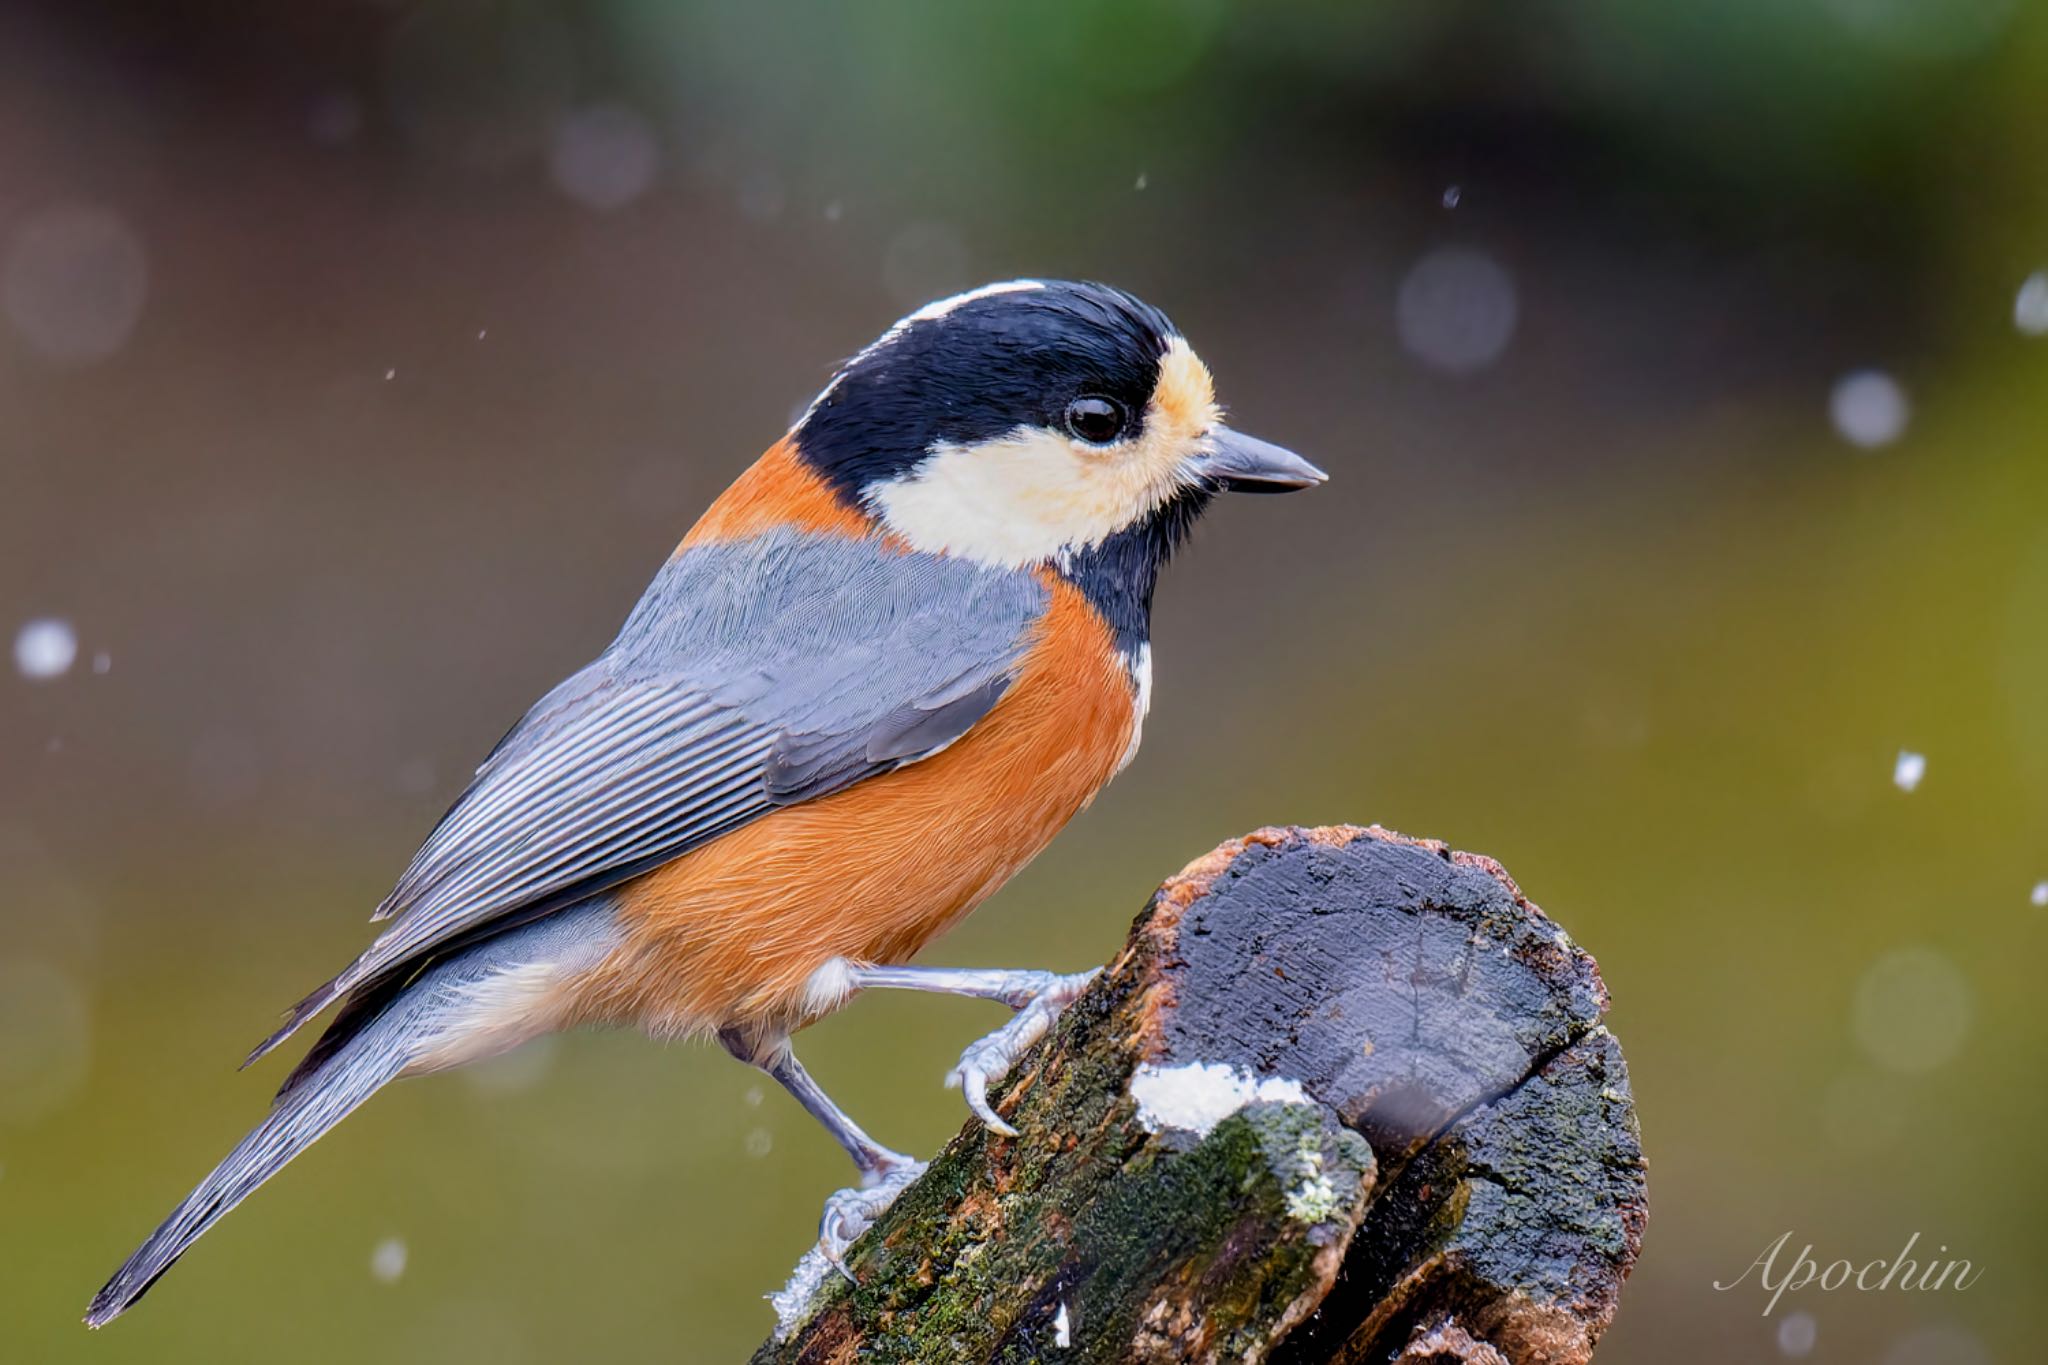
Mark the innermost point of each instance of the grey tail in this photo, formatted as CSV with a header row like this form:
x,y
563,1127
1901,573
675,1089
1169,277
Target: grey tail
x,y
295,1018
375,1055
382,1027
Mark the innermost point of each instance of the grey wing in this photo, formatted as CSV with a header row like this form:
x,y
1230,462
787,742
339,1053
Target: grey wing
x,y
751,677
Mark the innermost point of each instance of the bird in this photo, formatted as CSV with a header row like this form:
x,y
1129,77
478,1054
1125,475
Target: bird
x,y
883,669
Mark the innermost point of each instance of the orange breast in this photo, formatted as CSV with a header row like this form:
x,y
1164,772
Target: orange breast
x,y
777,490
731,932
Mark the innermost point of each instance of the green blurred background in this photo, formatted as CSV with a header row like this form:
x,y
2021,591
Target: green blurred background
x,y
1680,380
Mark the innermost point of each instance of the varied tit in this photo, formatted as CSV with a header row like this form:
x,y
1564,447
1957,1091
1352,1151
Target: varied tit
x,y
884,669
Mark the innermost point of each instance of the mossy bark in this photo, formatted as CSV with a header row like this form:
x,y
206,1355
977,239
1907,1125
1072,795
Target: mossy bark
x,y
1461,1181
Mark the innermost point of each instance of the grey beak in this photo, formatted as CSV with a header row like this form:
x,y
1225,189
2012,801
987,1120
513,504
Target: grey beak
x,y
1236,463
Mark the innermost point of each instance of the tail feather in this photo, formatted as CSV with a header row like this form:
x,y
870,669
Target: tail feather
x,y
295,1018
372,1058
383,1029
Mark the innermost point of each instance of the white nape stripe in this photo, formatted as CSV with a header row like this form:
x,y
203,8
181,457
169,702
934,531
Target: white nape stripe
x,y
931,312
1139,662
937,309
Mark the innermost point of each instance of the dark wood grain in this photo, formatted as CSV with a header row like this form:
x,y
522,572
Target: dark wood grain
x,y
1461,1178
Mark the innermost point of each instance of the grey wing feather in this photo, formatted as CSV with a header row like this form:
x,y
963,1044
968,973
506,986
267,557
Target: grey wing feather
x,y
803,767
753,675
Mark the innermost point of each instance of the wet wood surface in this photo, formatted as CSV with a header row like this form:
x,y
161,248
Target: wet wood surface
x,y
1344,1096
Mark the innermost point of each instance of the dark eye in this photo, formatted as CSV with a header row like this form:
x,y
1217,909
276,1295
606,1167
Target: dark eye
x,y
1098,421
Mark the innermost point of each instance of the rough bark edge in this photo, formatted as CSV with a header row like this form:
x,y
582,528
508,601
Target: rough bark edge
x,y
1536,1331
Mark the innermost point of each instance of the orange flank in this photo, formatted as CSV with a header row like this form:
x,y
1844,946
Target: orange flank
x,y
777,490
731,933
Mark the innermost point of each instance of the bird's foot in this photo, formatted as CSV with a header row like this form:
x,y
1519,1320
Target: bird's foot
x,y
987,1061
848,1213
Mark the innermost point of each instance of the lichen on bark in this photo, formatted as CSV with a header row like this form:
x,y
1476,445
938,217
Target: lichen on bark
x,y
1463,1166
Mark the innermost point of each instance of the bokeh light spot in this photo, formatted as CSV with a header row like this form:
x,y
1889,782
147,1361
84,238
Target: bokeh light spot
x,y
1796,1336
1912,1010
2030,305
74,283
1869,408
387,1261
1456,310
45,649
603,157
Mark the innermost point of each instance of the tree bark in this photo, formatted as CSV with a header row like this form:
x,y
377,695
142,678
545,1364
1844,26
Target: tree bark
x,y
1344,1096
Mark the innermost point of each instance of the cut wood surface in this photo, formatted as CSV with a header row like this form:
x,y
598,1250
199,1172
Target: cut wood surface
x,y
1344,1096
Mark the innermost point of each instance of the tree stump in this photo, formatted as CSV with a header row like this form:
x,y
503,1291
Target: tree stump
x,y
1344,1096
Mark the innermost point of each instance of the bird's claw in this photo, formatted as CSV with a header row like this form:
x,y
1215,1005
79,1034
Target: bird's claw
x,y
849,1213
989,1059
